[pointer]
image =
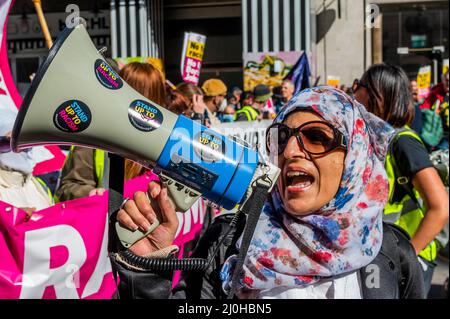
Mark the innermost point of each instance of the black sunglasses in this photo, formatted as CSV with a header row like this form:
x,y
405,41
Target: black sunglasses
x,y
316,137
357,84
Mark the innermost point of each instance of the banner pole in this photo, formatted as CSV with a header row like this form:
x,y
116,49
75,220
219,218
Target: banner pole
x,y
43,23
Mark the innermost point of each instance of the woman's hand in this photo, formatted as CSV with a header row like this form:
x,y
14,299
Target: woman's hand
x,y
197,103
143,211
28,210
97,191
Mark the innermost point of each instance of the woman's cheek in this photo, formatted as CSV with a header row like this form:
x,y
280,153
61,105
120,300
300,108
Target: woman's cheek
x,y
331,172
338,171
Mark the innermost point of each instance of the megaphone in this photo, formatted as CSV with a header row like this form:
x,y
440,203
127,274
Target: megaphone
x,y
76,98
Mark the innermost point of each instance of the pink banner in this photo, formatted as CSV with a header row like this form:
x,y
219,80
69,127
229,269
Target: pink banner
x,y
10,97
60,252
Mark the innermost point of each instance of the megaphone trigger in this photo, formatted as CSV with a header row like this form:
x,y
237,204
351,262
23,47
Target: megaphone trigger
x,y
128,237
182,196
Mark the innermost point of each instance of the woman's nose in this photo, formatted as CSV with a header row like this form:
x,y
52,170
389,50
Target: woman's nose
x,y
294,149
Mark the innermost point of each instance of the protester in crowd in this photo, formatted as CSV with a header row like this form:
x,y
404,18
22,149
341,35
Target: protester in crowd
x,y
227,115
385,91
247,98
427,122
178,103
83,173
18,186
415,91
417,122
277,98
215,92
234,98
257,110
346,89
320,230
437,101
194,94
287,91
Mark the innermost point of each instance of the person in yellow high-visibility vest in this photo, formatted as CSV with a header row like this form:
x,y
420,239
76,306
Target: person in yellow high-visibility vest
x,y
82,174
256,111
418,201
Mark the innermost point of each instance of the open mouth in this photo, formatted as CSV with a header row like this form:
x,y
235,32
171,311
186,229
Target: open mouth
x,y
298,181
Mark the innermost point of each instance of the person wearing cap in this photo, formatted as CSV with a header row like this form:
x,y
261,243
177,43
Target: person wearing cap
x,y
215,92
261,95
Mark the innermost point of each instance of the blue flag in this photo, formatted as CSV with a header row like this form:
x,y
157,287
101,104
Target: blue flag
x,y
299,75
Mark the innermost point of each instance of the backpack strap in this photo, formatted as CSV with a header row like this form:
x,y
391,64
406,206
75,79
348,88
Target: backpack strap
x,y
252,208
404,181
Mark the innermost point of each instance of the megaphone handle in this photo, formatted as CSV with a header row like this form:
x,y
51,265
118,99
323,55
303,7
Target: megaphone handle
x,y
128,237
182,196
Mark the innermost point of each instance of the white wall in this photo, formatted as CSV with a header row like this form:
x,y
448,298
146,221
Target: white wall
x,y
339,50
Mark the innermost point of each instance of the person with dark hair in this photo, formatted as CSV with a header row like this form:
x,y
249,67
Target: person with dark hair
x,y
418,201
178,103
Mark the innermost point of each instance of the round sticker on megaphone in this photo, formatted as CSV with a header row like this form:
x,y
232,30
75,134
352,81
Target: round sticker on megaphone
x,y
107,76
144,116
72,116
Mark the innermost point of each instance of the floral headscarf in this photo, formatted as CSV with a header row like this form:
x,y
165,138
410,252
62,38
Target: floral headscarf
x,y
345,234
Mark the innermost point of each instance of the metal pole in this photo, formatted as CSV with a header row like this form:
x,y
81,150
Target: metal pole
x,y
113,29
132,24
43,23
123,28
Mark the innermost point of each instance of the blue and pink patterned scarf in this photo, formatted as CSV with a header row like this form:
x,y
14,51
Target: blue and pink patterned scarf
x,y
345,234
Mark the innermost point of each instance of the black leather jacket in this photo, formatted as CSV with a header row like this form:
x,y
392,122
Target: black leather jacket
x,y
400,274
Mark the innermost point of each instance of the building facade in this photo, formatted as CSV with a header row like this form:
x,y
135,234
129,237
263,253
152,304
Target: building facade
x,y
341,37
351,35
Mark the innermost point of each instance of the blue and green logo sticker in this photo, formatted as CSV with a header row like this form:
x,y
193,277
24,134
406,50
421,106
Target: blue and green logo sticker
x,y
144,116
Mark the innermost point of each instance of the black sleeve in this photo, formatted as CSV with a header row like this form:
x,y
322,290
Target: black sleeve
x,y
411,156
142,285
208,285
412,282
192,285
